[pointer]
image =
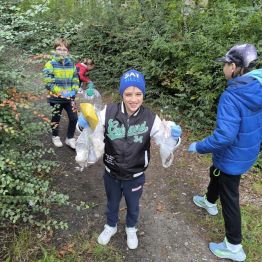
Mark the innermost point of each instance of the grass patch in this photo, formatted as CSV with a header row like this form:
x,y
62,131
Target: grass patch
x,y
25,246
251,229
82,249
106,254
181,163
252,232
28,245
174,194
258,187
206,159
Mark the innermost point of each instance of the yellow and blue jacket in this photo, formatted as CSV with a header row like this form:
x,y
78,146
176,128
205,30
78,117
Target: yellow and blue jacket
x,y
61,79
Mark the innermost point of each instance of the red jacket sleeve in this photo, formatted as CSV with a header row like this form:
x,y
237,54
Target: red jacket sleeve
x,y
82,70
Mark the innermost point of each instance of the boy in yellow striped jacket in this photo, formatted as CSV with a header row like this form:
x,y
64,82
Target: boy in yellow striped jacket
x,y
61,81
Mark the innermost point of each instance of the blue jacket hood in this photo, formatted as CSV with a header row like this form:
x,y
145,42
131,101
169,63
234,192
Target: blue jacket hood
x,y
248,89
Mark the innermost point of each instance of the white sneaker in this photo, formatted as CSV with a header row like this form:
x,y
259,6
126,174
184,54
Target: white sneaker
x,y
132,241
56,141
106,235
71,142
201,201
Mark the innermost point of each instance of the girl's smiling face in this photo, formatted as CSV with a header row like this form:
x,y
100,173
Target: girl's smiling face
x,y
133,98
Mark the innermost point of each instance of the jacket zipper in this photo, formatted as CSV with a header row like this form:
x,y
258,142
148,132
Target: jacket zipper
x,y
126,137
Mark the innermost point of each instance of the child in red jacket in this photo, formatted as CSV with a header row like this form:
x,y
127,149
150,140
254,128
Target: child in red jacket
x,y
83,68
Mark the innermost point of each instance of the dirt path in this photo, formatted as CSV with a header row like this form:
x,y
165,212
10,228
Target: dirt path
x,y
166,231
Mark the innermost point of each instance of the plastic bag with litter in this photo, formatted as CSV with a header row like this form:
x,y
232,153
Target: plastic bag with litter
x,y
90,146
90,143
167,143
82,147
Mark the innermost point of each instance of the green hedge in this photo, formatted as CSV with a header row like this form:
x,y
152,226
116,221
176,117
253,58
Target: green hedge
x,y
176,51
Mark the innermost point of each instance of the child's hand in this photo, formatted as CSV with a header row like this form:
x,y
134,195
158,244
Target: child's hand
x,y
176,131
192,148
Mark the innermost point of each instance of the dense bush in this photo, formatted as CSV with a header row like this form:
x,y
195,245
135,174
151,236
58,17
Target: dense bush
x,y
173,47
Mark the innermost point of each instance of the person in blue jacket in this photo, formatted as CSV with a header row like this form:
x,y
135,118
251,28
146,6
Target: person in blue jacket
x,y
234,144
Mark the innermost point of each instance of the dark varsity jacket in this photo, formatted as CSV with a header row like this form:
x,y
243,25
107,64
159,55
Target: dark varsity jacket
x,y
127,141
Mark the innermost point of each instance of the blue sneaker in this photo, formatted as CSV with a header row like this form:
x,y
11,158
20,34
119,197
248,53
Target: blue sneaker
x,y
222,250
201,201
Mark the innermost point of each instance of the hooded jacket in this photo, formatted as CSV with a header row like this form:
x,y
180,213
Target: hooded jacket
x,y
82,70
61,79
235,143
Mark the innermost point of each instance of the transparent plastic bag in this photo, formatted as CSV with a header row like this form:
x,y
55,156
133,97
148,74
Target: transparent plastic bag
x,y
82,147
89,146
90,143
92,96
95,99
98,140
167,143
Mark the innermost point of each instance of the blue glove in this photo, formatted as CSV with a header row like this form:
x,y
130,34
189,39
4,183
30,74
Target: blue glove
x,y
192,148
176,131
68,93
90,89
82,123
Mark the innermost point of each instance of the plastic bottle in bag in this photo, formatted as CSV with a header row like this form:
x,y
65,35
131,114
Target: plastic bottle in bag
x,y
167,150
92,148
92,96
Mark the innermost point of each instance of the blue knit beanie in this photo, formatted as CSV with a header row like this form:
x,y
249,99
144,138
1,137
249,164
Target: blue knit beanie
x,y
132,78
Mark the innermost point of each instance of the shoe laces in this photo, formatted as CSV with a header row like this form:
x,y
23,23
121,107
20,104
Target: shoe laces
x,y
132,233
108,231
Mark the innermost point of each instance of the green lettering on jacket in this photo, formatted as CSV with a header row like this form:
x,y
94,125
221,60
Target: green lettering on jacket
x,y
115,131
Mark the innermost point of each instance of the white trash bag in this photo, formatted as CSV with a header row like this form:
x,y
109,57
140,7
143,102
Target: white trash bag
x,y
167,143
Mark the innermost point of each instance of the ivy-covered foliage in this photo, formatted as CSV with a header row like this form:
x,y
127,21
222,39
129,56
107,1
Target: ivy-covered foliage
x,y
25,194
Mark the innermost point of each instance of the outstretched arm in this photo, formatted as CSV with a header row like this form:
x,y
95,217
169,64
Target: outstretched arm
x,y
227,128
